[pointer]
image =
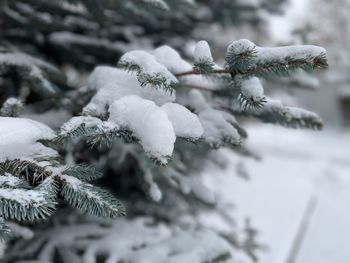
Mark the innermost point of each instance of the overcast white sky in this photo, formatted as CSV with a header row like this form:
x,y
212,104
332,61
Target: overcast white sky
x,y
281,26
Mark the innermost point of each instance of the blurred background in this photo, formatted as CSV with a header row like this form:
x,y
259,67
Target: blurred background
x,y
297,195
296,190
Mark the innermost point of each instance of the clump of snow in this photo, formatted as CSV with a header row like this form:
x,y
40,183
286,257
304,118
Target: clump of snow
x,y
185,123
153,189
12,101
251,87
112,84
284,54
217,125
298,113
19,136
190,184
241,46
195,100
272,104
12,107
148,122
217,130
302,52
202,52
170,58
148,65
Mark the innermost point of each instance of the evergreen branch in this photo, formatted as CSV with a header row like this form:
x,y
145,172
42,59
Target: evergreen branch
x,y
251,103
51,187
9,181
237,62
276,66
284,67
12,107
5,231
83,172
67,136
26,205
275,112
156,80
159,79
38,73
105,138
203,66
31,171
90,199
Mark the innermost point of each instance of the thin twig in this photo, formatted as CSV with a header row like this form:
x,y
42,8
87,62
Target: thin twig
x,y
192,72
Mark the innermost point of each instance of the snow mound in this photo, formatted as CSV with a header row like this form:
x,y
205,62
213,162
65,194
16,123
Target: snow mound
x,y
112,84
170,58
19,136
217,130
185,123
251,88
148,122
202,52
148,66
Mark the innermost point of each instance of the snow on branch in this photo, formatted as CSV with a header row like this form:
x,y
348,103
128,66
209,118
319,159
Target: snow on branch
x,y
244,57
217,126
21,204
170,58
203,60
83,172
148,122
19,136
185,123
112,84
76,128
190,184
149,71
275,112
132,240
12,107
90,199
41,75
252,92
32,177
9,181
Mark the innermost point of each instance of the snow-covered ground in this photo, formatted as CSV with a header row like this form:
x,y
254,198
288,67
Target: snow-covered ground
x,y
303,174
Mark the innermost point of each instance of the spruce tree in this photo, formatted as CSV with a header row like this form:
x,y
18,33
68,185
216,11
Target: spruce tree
x,y
134,134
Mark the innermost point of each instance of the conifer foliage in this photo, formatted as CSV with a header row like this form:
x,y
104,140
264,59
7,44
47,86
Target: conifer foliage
x,y
152,109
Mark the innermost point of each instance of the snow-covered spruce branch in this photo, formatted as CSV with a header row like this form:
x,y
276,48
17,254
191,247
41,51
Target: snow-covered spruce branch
x,y
275,112
30,191
142,101
243,60
130,240
44,79
136,102
33,178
